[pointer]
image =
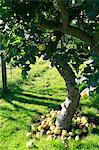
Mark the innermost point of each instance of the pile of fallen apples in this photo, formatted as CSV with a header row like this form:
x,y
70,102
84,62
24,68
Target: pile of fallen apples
x,y
47,127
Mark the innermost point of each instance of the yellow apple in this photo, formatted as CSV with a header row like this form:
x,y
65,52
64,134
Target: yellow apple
x,y
84,120
51,123
52,128
43,123
29,144
50,137
69,138
49,132
28,134
40,128
38,134
71,133
77,138
57,130
64,133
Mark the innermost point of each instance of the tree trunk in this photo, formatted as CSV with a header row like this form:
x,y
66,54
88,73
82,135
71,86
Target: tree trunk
x,y
4,75
71,103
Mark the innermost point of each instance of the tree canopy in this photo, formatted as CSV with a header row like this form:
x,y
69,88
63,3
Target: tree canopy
x,y
67,29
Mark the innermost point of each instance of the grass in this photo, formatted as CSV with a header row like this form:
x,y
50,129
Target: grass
x,y
26,100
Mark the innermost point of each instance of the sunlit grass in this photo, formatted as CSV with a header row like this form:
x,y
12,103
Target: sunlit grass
x,y
43,90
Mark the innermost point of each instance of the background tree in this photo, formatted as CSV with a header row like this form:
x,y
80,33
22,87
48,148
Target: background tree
x,y
64,31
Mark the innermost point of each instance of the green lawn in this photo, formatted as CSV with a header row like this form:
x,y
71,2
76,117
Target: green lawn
x,y
26,100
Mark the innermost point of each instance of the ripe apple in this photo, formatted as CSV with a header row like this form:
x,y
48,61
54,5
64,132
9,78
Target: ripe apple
x,y
84,120
48,115
28,134
38,134
29,144
42,117
42,47
52,128
78,120
69,138
33,128
57,130
77,138
49,132
71,133
85,130
53,38
49,137
43,123
40,128
51,123
64,133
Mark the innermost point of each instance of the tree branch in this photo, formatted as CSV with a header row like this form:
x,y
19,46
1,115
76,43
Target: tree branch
x,y
64,12
74,31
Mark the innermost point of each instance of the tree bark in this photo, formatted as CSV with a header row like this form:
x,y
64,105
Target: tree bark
x,y
4,76
71,103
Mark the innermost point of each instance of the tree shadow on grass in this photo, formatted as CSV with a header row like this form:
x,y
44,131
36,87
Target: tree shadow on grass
x,y
20,96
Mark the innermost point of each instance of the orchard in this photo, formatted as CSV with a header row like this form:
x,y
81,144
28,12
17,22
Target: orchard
x,y
65,32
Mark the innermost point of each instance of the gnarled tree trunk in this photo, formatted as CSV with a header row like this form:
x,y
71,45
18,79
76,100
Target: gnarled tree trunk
x,y
71,103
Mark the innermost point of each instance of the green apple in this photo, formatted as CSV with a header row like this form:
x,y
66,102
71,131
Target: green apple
x,y
71,133
69,138
42,47
38,134
33,128
77,138
78,131
78,120
29,144
53,38
85,130
57,130
28,134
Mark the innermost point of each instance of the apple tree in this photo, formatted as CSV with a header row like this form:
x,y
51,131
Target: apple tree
x,y
66,32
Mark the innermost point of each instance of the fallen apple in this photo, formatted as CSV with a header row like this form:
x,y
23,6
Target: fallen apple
x,y
78,131
33,128
29,134
40,128
48,132
77,138
57,130
29,144
64,133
